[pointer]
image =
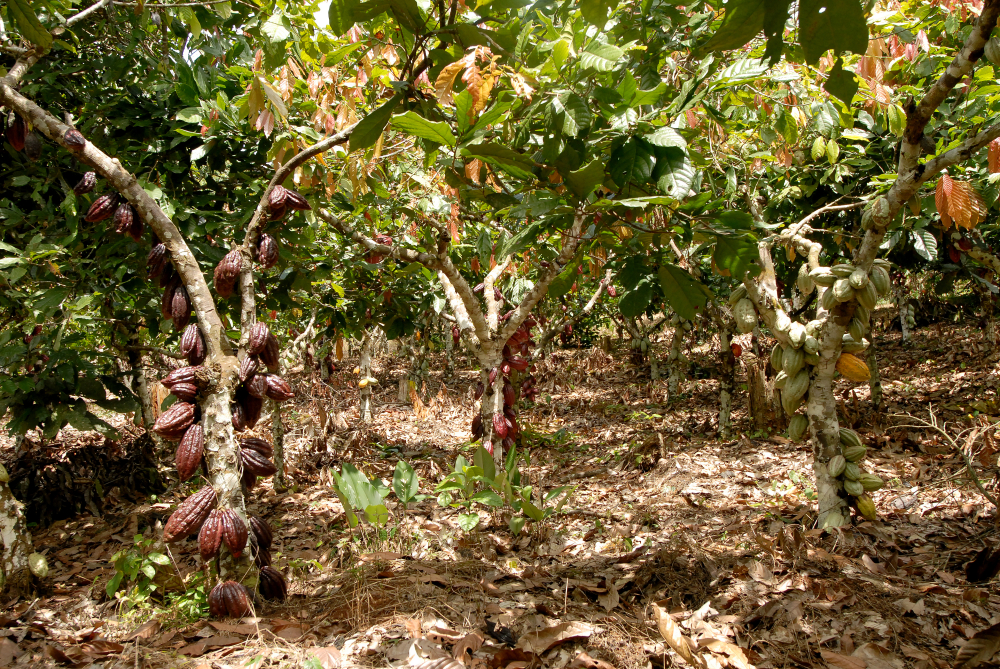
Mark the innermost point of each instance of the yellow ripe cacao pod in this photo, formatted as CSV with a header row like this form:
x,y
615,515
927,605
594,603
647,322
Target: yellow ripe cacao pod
x,y
363,383
849,438
871,482
853,368
797,427
836,465
4,476
866,507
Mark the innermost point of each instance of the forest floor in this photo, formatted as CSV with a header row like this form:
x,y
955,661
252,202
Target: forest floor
x,y
663,513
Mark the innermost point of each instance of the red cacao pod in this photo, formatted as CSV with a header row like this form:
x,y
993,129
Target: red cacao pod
x,y
278,389
248,368
294,200
193,345
231,599
180,308
86,183
257,386
276,198
267,251
217,602
32,146
156,260
277,213
505,368
479,390
261,532
256,463
518,363
611,291
508,393
497,295
184,391
234,532
188,517
227,272
257,444
195,374
167,301
248,480
252,407
239,417
257,339
477,427
262,558
456,335
74,140
135,230
102,208
210,536
493,375
500,424
17,131
168,275
269,356
173,422
272,584
190,451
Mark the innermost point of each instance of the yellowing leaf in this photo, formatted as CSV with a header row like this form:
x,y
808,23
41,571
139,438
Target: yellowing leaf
x,y
446,80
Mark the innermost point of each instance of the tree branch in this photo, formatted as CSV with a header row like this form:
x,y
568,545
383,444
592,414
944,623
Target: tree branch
x,y
248,295
493,305
125,183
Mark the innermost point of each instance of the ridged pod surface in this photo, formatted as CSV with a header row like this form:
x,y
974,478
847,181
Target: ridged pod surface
x,y
190,451
230,598
500,424
227,272
74,139
193,345
257,444
276,198
267,251
256,463
294,200
272,584
257,339
195,374
248,367
102,208
477,427
210,535
278,389
184,391
269,356
156,260
853,368
257,386
261,532
86,183
17,131
124,216
189,516
180,308
174,422
234,532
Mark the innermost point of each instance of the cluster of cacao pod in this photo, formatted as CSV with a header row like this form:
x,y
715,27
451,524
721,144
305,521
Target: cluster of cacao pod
x,y
504,423
846,468
255,384
123,215
175,304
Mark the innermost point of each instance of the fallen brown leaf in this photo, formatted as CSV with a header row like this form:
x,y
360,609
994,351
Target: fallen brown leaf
x,y
329,657
843,661
980,648
540,641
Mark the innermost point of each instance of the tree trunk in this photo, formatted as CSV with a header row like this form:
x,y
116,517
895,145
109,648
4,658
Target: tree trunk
x,y
278,437
449,350
141,387
677,362
903,304
727,369
18,580
490,404
365,409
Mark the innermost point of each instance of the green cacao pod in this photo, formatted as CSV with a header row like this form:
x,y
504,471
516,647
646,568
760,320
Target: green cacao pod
x,y
867,297
738,294
856,330
782,323
992,50
854,488
38,565
836,466
777,357
797,385
813,327
880,212
843,270
851,470
858,278
871,482
792,361
812,358
866,219
880,278
797,427
833,519
811,345
829,299
849,437
864,315
851,346
804,282
842,290
855,453
745,315
822,276
790,403
882,262
797,334
866,507
780,380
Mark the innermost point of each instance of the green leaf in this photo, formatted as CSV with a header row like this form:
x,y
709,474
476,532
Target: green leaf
x,y
685,295
676,176
468,521
405,482
28,24
577,117
484,460
370,128
925,243
736,255
648,97
342,15
413,123
584,180
563,281
488,497
516,524
744,19
112,587
532,511
630,162
634,302
839,25
516,164
841,83
377,514
667,137
407,14
275,29
596,12
601,57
